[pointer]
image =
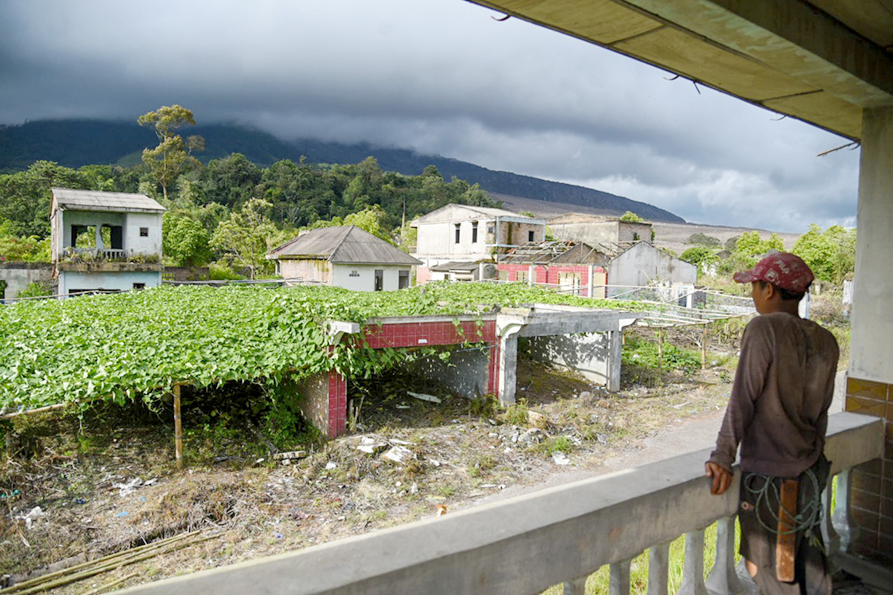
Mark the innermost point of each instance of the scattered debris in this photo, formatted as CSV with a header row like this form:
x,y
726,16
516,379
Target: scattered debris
x,y
288,456
125,489
30,516
441,509
560,458
424,397
331,465
370,445
399,454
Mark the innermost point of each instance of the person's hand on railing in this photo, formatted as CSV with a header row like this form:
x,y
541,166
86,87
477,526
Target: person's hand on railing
x,y
722,478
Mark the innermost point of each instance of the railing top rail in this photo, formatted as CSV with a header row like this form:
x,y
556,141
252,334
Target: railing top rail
x,y
521,545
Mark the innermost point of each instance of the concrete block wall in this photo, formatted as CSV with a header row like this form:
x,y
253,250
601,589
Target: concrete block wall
x,y
871,488
587,354
466,374
18,275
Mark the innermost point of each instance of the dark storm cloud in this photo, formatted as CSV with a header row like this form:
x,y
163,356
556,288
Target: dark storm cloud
x,y
439,76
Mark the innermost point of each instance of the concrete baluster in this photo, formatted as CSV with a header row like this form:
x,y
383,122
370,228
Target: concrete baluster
x,y
840,520
658,569
575,587
723,579
619,584
693,568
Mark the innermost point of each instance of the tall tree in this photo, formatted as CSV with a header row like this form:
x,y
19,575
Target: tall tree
x,y
26,196
173,155
246,236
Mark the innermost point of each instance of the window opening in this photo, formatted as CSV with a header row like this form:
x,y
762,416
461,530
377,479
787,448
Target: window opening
x,y
139,286
403,280
458,235
474,232
144,232
530,236
379,279
85,236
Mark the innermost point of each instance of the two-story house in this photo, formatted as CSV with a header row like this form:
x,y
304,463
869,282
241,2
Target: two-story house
x,y
457,238
109,241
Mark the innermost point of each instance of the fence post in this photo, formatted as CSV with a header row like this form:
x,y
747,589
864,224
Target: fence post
x,y
619,583
693,567
658,569
178,428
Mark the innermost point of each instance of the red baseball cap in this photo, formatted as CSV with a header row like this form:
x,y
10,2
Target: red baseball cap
x,y
781,269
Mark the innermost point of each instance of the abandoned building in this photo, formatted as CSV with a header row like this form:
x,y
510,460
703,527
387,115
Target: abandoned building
x,y
105,241
597,229
573,267
344,256
468,234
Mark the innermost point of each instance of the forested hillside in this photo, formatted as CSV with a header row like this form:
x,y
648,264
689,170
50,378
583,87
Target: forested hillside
x,y
76,143
231,212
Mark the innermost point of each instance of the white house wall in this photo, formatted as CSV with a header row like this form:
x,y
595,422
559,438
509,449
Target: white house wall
x,y
309,269
133,243
117,281
96,219
130,222
438,241
362,277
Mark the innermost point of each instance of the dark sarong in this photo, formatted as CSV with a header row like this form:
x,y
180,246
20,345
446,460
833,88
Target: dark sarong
x,y
757,515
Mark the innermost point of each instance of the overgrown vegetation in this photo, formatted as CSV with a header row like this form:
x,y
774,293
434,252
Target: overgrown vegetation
x,y
137,345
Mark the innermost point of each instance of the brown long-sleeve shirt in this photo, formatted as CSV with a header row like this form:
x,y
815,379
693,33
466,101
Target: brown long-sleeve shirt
x,y
778,410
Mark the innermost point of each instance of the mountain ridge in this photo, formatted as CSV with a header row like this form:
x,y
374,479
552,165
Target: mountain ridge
x,y
75,143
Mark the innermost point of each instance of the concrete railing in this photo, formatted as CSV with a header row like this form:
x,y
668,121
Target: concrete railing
x,y
529,543
97,253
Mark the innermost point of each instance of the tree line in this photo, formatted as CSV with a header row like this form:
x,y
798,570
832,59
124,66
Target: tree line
x,y
830,253
230,212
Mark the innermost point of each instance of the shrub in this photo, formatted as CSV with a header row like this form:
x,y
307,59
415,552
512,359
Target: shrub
x,y
703,240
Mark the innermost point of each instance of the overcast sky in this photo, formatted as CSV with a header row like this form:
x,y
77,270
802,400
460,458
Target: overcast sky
x,y
439,76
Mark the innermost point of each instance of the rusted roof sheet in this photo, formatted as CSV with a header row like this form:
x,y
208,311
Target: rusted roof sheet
x,y
343,245
94,200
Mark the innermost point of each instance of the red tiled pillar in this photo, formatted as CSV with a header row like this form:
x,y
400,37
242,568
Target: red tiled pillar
x,y
871,488
337,411
493,370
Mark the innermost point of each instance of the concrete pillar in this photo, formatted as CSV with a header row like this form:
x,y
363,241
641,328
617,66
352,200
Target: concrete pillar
x,y
531,275
508,363
589,284
614,359
870,382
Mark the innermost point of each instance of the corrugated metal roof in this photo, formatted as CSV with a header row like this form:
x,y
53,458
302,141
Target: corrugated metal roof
x,y
343,245
94,200
455,266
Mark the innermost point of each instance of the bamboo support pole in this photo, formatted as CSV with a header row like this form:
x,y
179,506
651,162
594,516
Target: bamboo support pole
x,y
115,582
38,410
178,428
704,348
113,565
660,350
100,561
